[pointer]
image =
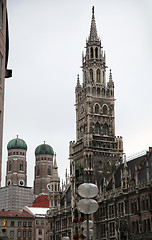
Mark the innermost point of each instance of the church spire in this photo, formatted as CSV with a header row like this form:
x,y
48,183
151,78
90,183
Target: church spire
x,y
93,30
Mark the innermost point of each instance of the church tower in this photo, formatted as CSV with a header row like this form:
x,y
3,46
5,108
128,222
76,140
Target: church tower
x,y
43,168
97,151
16,173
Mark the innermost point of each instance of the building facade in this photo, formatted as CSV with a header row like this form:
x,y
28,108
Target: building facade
x,y
4,72
19,225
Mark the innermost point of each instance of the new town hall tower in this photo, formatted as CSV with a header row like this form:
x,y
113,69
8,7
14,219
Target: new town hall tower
x,y
97,152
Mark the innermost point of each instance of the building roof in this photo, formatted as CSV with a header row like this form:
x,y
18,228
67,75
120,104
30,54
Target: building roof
x,y
140,164
17,214
17,143
44,149
36,211
41,201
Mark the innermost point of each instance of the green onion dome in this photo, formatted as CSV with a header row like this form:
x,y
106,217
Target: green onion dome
x,y
44,149
17,143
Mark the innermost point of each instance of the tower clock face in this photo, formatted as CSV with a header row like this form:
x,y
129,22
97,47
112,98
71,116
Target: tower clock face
x,y
21,183
82,109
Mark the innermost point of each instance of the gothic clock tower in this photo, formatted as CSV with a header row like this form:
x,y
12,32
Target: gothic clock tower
x,y
97,152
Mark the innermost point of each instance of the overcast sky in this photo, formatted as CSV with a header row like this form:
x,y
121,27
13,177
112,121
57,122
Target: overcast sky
x,y
47,38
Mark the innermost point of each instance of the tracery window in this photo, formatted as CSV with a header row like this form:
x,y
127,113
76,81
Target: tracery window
x,y
97,128
105,129
97,108
98,76
91,74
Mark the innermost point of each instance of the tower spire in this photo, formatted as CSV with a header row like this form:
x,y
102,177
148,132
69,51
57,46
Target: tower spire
x,y
93,30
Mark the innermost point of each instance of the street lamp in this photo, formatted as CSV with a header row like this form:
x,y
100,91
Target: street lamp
x,y
87,205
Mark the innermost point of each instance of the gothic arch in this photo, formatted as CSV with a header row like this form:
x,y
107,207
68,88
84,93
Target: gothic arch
x,y
91,52
91,74
105,129
97,108
96,52
97,128
100,165
105,109
98,78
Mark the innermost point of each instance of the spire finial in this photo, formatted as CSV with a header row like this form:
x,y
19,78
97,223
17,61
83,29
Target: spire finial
x,y
93,31
110,76
78,81
92,11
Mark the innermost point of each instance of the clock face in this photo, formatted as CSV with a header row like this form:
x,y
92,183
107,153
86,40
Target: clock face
x,y
82,109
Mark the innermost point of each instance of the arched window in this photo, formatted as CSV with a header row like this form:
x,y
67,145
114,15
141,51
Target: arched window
x,y
10,167
96,52
105,129
91,74
49,171
38,171
105,110
100,165
97,108
98,76
21,166
55,188
97,128
91,52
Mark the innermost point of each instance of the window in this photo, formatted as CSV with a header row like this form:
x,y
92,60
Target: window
x,y
55,202
96,52
37,222
21,166
29,224
105,129
24,233
24,224
91,55
105,110
40,232
19,224
98,76
29,233
20,153
112,228
97,128
97,108
12,223
111,211
91,74
100,165
19,233
10,167
11,233
42,222
49,171
38,171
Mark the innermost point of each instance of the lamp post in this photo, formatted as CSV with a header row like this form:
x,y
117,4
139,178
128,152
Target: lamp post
x,y
87,205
